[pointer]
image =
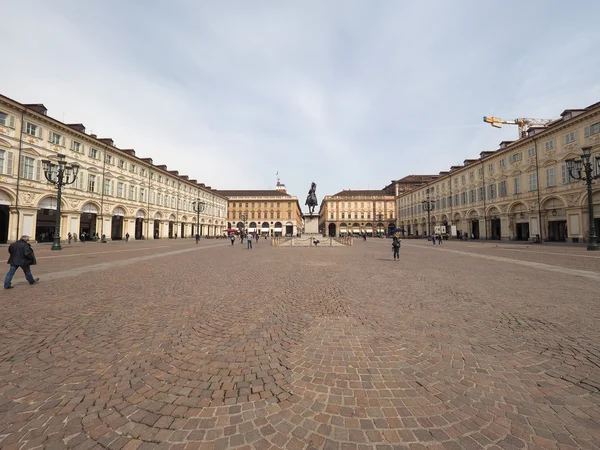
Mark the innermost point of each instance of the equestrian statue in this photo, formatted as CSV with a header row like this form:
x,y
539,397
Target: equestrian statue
x,y
311,200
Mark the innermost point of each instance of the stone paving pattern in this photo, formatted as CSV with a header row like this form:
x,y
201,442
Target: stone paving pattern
x,y
217,347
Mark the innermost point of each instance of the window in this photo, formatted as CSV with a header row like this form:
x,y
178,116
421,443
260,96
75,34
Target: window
x,y
91,183
517,185
28,165
7,120
491,168
481,194
456,200
131,192
93,153
565,176
591,130
56,139
142,172
120,189
278,215
362,215
492,191
343,215
532,181
278,205
463,198
472,196
6,162
569,137
531,152
289,215
515,157
33,130
271,214
76,147
107,187
549,145
121,164
132,168
502,163
550,177
331,216
108,159
462,179
471,175
502,188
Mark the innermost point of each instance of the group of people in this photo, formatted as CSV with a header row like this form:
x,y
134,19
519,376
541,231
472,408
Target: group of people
x,y
72,237
249,239
437,238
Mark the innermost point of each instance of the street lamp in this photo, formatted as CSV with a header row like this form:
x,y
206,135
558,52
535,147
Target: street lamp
x,y
198,208
59,174
243,218
428,206
379,221
574,167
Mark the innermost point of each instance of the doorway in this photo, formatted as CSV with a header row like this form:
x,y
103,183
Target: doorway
x,y
557,231
182,235
87,225
156,228
475,229
139,226
522,231
332,229
171,224
4,215
495,229
116,229
45,225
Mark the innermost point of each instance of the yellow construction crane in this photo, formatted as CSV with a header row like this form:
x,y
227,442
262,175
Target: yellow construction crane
x,y
522,122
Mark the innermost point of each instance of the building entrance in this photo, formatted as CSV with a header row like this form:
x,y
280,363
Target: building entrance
x,y
139,227
45,225
156,228
289,230
557,230
4,214
171,229
182,235
495,229
332,229
522,232
475,228
87,225
116,229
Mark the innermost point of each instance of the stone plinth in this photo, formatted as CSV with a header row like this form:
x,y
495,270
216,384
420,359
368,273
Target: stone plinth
x,y
311,224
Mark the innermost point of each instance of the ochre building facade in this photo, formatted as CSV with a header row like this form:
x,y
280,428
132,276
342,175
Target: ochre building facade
x,y
115,192
357,212
267,212
520,191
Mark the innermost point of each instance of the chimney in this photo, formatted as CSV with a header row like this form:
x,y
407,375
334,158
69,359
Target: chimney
x,y
37,107
107,141
77,127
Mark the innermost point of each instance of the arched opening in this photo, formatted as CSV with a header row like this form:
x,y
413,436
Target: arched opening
x,y
46,220
240,226
252,228
289,229
172,230
157,218
264,228
116,229
5,203
380,228
556,217
332,229
278,229
182,227
139,224
343,229
495,223
355,229
391,228
87,221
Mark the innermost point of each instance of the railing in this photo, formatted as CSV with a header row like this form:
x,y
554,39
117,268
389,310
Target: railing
x,y
344,240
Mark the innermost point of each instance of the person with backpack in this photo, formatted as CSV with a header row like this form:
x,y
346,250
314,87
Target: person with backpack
x,y
396,248
232,237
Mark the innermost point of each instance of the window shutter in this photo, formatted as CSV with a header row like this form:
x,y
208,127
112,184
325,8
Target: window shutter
x,y
9,163
22,167
62,141
38,169
11,121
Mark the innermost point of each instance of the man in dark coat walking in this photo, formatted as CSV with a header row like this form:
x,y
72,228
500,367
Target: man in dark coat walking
x,y
21,255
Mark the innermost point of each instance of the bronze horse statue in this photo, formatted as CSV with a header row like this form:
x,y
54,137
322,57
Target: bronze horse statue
x,y
311,199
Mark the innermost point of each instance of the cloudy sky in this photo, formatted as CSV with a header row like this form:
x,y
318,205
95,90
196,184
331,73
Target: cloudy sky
x,y
349,94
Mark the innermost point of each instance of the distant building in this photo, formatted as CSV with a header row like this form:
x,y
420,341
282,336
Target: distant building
x,y
268,212
348,212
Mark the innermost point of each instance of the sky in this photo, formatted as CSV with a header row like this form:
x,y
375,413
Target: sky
x,y
348,94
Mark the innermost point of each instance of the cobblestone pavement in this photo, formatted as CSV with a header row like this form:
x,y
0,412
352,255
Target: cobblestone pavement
x,y
173,345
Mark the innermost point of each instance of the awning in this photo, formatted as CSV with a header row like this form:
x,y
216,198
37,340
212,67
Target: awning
x,y
278,229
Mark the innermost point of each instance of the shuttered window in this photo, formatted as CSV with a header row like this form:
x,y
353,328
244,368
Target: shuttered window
x,y
30,168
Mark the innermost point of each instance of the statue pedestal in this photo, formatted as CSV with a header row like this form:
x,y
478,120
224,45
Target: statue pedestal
x,y
311,224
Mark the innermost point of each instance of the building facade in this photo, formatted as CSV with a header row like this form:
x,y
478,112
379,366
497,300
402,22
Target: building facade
x,y
520,191
115,192
351,212
268,212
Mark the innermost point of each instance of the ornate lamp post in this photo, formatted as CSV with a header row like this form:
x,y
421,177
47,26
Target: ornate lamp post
x,y
59,174
574,167
198,208
428,206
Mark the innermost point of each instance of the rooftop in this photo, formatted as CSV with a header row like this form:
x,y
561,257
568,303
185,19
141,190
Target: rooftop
x,y
253,193
361,193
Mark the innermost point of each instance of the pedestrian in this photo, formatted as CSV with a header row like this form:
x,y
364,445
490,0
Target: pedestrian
x,y
232,237
396,248
257,237
440,239
21,255
69,237
82,236
126,237
197,238
249,240
241,238
433,238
